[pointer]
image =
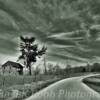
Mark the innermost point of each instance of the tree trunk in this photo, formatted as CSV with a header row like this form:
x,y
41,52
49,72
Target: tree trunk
x,y
28,65
30,72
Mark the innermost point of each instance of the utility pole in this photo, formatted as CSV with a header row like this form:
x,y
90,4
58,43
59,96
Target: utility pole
x,y
45,67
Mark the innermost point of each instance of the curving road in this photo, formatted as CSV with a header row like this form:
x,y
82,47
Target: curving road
x,y
67,89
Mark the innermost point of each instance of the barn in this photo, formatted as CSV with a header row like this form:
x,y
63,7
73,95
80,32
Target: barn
x,y
12,67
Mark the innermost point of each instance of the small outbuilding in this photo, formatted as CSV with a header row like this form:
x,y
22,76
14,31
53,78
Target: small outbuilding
x,y
12,67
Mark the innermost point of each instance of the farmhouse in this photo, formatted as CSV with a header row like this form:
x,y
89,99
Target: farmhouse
x,y
12,67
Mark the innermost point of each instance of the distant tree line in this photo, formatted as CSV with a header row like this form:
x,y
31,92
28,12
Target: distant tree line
x,y
68,69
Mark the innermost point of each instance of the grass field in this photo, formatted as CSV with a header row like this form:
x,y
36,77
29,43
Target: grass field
x,y
24,86
93,82
10,80
15,87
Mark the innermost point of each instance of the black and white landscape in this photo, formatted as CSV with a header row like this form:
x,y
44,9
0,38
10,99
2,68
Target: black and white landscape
x,y
49,50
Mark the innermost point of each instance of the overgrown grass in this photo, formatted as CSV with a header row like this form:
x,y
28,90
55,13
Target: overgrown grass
x,y
20,87
24,85
10,80
93,82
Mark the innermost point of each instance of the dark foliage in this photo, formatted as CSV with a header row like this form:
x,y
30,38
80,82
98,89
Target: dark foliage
x,y
29,51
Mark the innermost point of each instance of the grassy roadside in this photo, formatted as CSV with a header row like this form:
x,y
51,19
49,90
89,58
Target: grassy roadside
x,y
93,82
20,87
29,89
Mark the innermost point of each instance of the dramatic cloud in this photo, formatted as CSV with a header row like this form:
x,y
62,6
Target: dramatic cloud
x,y
61,25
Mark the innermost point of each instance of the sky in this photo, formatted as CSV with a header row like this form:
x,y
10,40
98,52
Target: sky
x,y
54,24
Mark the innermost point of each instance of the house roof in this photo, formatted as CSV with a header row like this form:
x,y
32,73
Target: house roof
x,y
13,64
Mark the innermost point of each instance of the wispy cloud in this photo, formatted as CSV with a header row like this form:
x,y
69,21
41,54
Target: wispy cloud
x,y
56,23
